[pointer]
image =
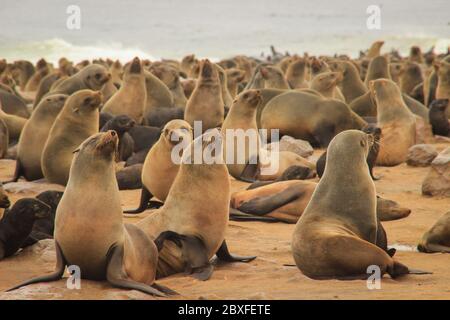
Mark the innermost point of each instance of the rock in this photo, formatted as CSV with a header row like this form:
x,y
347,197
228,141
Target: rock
x,y
437,182
424,133
37,186
421,155
301,147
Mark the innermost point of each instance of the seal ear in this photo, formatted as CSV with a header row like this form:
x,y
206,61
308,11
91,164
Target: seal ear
x,y
76,110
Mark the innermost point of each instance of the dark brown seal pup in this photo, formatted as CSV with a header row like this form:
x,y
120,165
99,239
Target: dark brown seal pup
x,y
121,125
438,117
17,224
120,253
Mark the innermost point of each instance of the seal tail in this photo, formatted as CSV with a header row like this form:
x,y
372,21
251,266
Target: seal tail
x,y
143,205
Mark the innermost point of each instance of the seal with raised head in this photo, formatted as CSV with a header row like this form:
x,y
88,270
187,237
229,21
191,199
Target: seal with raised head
x,y
206,103
132,95
34,135
337,236
159,170
397,123
91,233
190,227
77,121
351,85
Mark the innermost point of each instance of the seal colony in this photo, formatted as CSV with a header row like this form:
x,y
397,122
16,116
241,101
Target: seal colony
x,y
97,127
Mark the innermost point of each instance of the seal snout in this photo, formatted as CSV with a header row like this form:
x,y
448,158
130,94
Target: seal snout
x,y
135,66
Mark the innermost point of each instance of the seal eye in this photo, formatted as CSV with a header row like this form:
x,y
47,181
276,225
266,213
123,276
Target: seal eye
x,y
97,76
87,100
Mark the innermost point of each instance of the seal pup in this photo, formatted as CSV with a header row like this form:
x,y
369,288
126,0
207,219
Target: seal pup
x,y
77,121
92,77
206,103
34,135
437,239
438,117
336,237
132,95
159,170
121,125
119,253
190,227
397,123
17,223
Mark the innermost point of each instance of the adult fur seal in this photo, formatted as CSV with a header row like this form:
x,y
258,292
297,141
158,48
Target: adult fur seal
x,y
397,123
194,234
326,84
378,68
14,123
159,169
241,119
17,222
75,123
309,117
158,94
437,239
92,77
34,135
120,253
337,235
206,103
351,85
132,95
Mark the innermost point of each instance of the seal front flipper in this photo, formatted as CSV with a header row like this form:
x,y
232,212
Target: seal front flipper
x,y
194,253
265,205
116,276
143,205
56,275
249,173
236,215
224,255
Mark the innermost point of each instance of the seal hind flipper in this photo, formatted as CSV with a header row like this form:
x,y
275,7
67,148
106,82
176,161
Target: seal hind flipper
x,y
224,255
56,275
143,205
116,276
194,253
164,289
265,205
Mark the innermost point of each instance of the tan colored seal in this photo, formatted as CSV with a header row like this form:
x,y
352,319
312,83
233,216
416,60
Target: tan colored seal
x,y
337,235
132,95
35,134
77,121
297,72
206,103
351,85
91,234
378,68
14,123
437,239
397,123
326,84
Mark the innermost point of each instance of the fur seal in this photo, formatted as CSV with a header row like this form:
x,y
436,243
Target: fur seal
x,y
158,94
438,117
132,95
17,223
326,84
374,49
378,68
159,117
296,73
14,123
92,77
242,117
397,123
235,77
44,87
437,239
309,117
34,135
13,104
121,125
187,235
159,170
443,83
206,103
144,137
171,78
273,78
351,85
23,70
120,253
338,234
129,177
76,122
410,76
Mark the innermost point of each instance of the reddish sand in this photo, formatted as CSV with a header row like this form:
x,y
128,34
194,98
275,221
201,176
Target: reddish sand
x,y
266,277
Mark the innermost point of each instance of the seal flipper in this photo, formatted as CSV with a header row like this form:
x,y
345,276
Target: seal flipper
x,y
236,215
56,275
116,276
224,255
18,172
193,251
265,205
249,173
143,205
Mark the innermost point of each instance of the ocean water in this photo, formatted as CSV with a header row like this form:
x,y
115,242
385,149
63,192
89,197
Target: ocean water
x,y
152,29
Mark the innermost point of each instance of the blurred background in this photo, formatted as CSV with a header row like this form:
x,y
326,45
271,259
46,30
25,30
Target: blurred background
x,y
215,29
